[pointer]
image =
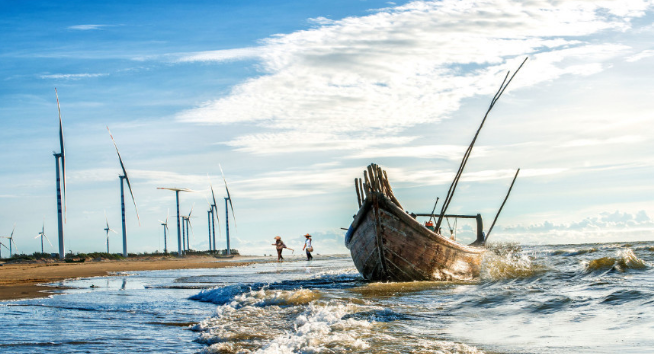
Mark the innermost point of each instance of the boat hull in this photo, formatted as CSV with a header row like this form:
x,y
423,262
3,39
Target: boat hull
x,y
387,244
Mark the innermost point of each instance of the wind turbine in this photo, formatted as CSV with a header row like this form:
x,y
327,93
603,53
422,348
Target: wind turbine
x,y
107,229
124,177
179,234
42,235
2,245
11,241
227,198
61,156
214,211
187,221
165,225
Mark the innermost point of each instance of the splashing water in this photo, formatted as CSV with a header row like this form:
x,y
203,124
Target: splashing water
x,y
625,260
508,261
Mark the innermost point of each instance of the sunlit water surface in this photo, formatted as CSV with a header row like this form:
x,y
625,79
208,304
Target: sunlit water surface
x,y
593,298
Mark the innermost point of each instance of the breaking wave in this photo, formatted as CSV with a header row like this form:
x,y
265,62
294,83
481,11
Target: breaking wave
x,y
509,263
624,260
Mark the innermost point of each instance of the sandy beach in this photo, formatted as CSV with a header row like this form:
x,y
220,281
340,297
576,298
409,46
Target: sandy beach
x,y
21,281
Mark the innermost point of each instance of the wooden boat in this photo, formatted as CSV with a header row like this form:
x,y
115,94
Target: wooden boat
x,y
387,244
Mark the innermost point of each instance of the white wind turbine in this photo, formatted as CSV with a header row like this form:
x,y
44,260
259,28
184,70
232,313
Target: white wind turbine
x,y
11,242
165,225
42,235
107,229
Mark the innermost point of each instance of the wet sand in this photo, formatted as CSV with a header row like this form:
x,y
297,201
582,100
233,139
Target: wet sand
x,y
21,281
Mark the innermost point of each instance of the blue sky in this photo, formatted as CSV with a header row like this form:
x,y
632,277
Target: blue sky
x,y
295,98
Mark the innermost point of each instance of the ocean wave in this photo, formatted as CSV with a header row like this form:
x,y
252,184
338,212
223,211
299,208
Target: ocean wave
x,y
509,265
221,295
624,260
574,252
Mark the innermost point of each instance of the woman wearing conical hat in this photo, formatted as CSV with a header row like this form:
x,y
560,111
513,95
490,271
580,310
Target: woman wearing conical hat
x,y
279,245
307,246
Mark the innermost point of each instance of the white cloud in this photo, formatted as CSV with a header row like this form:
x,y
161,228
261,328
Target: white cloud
x,y
639,56
217,55
628,139
370,78
71,76
606,226
87,27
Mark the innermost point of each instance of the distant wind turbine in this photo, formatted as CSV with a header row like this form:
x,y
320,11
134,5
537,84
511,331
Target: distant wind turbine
x,y
187,224
214,212
2,245
107,229
61,183
42,235
227,198
179,233
124,177
11,241
165,225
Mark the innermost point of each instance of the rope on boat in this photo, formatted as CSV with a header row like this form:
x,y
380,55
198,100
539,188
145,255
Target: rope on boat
x,y
376,180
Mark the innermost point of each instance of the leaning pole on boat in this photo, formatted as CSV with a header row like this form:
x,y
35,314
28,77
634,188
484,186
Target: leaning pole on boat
x,y
450,192
502,206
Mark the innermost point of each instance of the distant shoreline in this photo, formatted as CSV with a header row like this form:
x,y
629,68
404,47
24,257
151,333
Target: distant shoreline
x,y
22,280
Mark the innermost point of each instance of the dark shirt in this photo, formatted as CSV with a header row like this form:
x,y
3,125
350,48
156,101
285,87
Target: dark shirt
x,y
279,244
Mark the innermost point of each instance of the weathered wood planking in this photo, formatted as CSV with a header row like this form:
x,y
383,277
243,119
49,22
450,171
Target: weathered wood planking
x,y
409,251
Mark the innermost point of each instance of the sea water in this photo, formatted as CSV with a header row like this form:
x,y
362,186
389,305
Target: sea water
x,y
592,298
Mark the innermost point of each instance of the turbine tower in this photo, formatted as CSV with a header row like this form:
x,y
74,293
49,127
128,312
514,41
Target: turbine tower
x,y
11,241
107,229
214,212
209,221
2,245
124,177
189,226
42,235
61,184
179,234
165,225
227,198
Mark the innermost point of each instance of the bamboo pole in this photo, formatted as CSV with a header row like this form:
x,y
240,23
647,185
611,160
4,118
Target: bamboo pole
x,y
372,178
356,186
502,206
450,192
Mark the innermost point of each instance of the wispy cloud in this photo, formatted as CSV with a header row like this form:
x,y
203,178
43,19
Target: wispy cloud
x,y
639,56
373,77
606,226
207,56
87,27
629,139
72,76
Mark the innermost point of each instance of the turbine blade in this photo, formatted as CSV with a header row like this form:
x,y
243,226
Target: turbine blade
x,y
3,245
215,205
228,196
105,218
63,152
37,236
129,186
46,237
114,231
191,212
12,232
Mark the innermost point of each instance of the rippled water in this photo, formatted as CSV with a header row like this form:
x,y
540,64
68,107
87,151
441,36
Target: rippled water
x,y
594,298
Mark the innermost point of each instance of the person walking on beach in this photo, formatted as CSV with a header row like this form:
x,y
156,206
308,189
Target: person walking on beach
x,y
279,245
307,246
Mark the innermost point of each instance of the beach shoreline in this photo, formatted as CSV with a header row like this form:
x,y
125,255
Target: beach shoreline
x,y
24,280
